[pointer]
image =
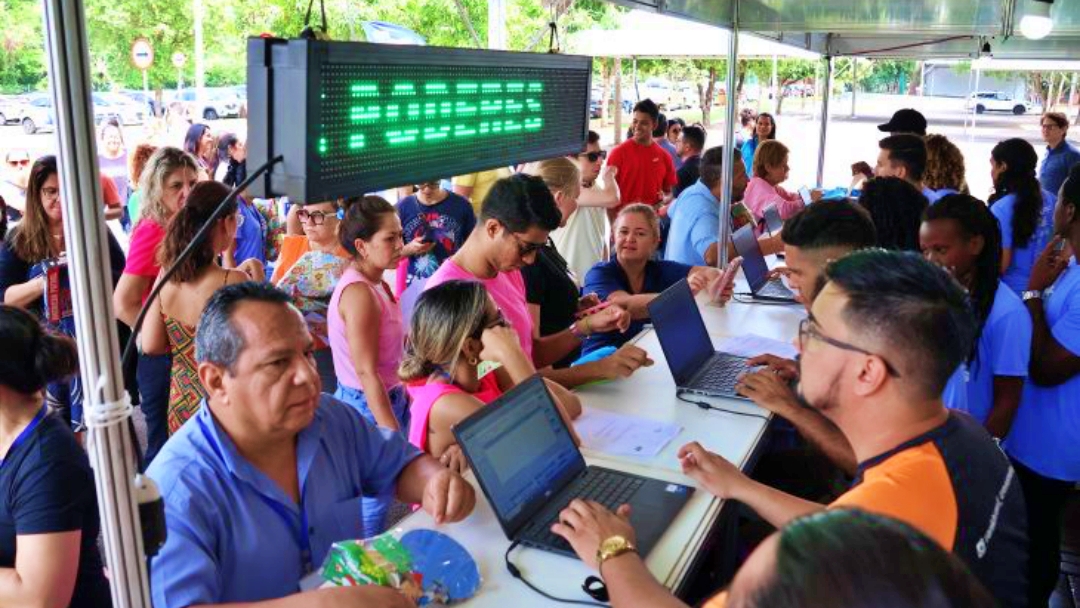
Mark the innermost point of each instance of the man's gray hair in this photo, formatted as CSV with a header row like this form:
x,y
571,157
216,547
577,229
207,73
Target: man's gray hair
x,y
217,340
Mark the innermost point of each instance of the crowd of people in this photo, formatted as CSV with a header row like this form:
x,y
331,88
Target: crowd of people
x,y
302,370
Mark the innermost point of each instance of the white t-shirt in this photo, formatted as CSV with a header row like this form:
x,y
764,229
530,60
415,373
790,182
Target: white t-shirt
x,y
583,241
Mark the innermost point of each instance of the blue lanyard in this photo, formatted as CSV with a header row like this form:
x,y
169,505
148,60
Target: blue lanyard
x,y
25,434
301,534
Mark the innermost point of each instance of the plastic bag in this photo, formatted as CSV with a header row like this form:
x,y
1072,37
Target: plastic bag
x,y
428,567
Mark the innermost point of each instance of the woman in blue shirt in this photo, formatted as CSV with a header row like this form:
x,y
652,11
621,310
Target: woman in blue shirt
x,y
1024,209
634,278
764,128
960,234
1045,435
48,508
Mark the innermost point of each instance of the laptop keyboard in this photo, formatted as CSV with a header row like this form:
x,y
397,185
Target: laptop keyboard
x,y
610,490
720,376
775,289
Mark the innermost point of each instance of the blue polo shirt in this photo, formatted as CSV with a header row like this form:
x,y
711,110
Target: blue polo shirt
x,y
1056,164
1023,258
1046,431
1004,349
695,225
228,538
608,277
250,234
936,195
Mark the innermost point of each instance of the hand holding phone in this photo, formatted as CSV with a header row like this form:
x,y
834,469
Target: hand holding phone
x,y
716,291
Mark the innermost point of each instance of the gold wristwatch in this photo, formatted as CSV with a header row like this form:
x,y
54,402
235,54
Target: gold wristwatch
x,y
613,546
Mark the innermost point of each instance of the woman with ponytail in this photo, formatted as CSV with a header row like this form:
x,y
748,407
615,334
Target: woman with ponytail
x,y
48,507
1024,209
455,326
960,234
170,324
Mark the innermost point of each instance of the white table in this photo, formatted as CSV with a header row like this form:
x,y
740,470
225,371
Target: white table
x,y
649,393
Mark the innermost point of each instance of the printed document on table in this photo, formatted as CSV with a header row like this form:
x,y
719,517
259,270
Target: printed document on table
x,y
752,345
621,435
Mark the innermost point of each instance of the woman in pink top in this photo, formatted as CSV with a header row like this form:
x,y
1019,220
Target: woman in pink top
x,y
455,326
518,214
769,171
365,329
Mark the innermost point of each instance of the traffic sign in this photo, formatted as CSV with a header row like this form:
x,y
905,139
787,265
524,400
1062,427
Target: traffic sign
x,y
179,59
142,53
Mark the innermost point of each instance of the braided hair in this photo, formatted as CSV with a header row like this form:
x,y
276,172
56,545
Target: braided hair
x,y
1019,158
974,219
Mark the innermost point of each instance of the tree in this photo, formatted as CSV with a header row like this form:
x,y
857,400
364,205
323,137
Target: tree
x,y
22,51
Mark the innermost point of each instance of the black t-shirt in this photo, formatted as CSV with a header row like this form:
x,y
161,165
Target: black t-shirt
x,y
47,486
548,284
688,174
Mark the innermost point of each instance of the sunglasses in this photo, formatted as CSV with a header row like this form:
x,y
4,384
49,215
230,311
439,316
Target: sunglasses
x,y
593,156
526,248
19,163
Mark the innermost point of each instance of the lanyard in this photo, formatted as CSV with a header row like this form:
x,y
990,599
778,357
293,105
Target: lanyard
x,y
24,435
301,535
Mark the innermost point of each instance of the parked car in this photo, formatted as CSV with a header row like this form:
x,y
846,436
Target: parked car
x,y
996,101
9,109
218,103
146,101
36,114
112,105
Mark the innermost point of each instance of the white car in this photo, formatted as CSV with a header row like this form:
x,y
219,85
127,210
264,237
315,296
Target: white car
x,y
993,101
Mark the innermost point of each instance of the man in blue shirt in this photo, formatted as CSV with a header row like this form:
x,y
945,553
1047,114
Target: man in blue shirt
x,y
1045,434
1060,154
269,473
695,216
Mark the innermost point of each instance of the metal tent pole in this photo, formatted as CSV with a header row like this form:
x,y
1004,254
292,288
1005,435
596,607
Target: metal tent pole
x,y
106,406
729,140
825,95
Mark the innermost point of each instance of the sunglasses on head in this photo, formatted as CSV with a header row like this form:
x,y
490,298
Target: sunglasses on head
x,y
593,156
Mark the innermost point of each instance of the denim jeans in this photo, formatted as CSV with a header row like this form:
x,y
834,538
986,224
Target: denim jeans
x,y
154,373
375,508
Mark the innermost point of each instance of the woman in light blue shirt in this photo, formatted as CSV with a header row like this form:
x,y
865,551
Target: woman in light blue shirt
x,y
1024,209
764,128
960,234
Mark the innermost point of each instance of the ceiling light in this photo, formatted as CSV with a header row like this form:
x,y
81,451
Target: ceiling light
x,y
1036,23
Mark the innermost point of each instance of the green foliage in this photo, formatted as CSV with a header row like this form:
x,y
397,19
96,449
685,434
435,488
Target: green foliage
x,y
113,25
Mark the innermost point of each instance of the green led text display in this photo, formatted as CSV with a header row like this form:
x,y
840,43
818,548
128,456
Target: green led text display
x,y
376,121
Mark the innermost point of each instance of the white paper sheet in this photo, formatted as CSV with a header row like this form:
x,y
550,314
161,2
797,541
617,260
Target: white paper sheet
x,y
752,345
622,435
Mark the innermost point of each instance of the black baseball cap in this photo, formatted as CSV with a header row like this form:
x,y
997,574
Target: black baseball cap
x,y
905,121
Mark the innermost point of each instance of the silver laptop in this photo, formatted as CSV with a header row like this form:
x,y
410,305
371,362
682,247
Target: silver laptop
x,y
757,271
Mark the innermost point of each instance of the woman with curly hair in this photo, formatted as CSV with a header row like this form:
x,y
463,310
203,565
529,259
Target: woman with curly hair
x,y
945,171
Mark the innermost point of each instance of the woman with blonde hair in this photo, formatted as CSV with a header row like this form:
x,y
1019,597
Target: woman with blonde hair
x,y
555,302
769,171
945,171
457,325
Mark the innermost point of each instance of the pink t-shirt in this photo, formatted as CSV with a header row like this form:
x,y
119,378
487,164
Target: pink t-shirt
x,y
760,194
142,252
391,334
508,291
424,395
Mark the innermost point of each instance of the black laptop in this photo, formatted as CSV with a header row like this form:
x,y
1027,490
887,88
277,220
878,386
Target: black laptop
x,y
756,270
695,365
525,459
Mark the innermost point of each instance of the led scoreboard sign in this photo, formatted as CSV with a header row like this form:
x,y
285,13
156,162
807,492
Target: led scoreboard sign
x,y
353,117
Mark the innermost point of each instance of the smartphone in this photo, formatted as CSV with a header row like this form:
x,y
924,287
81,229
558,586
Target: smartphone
x,y
804,192
593,310
1060,245
726,279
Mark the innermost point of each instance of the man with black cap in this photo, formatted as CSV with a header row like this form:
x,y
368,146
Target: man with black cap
x,y
906,120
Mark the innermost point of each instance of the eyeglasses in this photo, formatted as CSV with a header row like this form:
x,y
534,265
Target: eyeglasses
x,y
593,156
19,163
50,194
808,330
498,321
428,186
317,217
525,248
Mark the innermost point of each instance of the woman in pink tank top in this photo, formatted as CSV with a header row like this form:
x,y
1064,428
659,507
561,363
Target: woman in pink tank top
x,y
455,326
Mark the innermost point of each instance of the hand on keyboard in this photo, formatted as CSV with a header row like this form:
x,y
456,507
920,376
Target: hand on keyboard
x,y
586,524
769,390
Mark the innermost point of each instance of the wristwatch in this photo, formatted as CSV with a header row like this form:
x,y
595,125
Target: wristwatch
x,y
1031,294
613,546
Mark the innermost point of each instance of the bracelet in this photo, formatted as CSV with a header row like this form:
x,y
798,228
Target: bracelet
x,y
576,331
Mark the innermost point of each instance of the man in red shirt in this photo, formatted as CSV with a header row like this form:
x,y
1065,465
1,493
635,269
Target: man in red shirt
x,y
646,172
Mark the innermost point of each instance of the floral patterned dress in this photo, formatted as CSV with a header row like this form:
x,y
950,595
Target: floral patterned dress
x,y
310,283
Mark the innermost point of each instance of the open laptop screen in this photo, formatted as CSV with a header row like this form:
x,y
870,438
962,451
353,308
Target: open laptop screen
x,y
753,262
521,451
681,331
772,220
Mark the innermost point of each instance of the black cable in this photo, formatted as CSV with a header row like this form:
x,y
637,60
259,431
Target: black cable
x,y
752,300
196,241
708,407
514,572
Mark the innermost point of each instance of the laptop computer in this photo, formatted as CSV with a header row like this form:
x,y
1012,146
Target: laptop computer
x,y
695,365
756,270
524,457
773,223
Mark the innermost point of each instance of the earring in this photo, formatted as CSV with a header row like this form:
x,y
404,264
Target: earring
x,y
474,361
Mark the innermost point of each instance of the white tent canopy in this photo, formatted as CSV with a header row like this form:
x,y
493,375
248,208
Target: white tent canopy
x,y
648,34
